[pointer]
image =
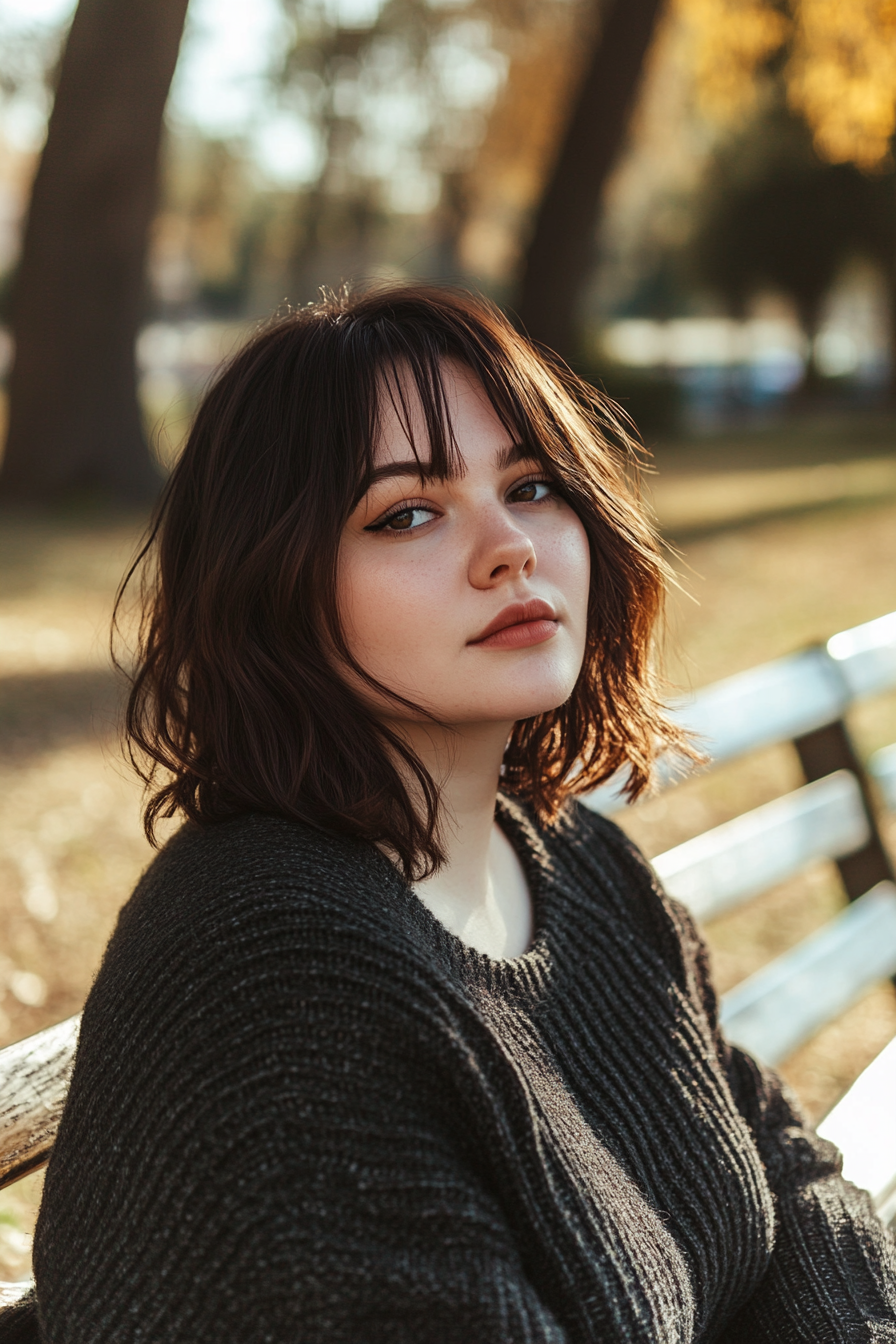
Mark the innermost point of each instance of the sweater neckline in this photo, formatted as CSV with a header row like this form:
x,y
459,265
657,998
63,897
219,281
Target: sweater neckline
x,y
529,847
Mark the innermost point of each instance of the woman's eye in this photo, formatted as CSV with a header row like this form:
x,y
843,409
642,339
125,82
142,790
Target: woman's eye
x,y
405,520
531,492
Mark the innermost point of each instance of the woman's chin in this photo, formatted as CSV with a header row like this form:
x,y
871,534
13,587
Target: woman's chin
x,y
524,698
519,689
509,708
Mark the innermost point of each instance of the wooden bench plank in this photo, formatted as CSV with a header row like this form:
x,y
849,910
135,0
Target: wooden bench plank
x,y
882,767
784,1004
34,1078
724,867
863,1126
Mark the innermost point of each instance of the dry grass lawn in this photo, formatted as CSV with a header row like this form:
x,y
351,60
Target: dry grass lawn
x,y
782,542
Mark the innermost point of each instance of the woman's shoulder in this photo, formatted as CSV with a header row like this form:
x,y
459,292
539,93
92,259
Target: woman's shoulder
x,y
257,890
256,846
203,872
245,944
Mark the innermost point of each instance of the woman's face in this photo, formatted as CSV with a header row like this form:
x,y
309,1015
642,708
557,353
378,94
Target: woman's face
x,y
467,596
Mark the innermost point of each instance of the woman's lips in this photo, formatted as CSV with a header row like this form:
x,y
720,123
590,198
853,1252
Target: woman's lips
x,y
519,636
518,626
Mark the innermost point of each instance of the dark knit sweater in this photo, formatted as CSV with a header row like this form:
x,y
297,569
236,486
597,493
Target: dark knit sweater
x,y
303,1112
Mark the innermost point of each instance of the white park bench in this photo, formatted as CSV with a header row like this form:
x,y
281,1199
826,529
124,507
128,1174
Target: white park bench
x,y
803,699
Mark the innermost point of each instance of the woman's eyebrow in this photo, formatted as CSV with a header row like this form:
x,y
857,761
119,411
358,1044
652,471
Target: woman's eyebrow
x,y
514,452
409,468
506,457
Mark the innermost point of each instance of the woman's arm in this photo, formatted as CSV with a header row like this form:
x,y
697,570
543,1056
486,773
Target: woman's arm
x,y
832,1275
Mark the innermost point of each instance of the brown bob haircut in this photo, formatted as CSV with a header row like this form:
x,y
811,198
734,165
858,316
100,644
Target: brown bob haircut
x,y
236,703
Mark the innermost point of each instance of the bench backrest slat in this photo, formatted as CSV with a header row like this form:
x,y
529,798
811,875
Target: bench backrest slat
x,y
726,866
866,656
777,701
11,1293
882,767
767,704
783,1004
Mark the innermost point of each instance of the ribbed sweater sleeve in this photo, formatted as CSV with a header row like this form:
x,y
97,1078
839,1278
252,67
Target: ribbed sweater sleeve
x,y
262,1139
832,1274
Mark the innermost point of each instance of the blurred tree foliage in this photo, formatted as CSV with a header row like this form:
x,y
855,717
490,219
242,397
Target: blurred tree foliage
x,y
398,100
419,111
28,60
836,58
559,133
28,63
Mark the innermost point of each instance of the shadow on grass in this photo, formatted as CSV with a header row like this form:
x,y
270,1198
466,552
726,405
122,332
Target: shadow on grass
x,y
43,711
713,527
836,437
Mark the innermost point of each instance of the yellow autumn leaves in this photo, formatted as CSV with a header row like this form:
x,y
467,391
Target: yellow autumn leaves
x,y
730,39
838,62
842,77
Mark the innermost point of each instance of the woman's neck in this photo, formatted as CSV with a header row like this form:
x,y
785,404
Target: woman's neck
x,y
480,893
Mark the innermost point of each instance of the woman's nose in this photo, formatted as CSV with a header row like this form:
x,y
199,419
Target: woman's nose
x,y
503,551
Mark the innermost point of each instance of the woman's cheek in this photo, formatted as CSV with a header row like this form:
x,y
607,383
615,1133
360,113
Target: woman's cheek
x,y
392,609
566,560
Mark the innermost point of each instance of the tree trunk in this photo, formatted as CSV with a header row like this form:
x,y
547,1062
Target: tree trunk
x,y
561,252
74,422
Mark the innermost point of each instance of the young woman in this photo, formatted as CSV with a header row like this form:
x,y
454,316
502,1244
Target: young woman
x,y
395,1042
